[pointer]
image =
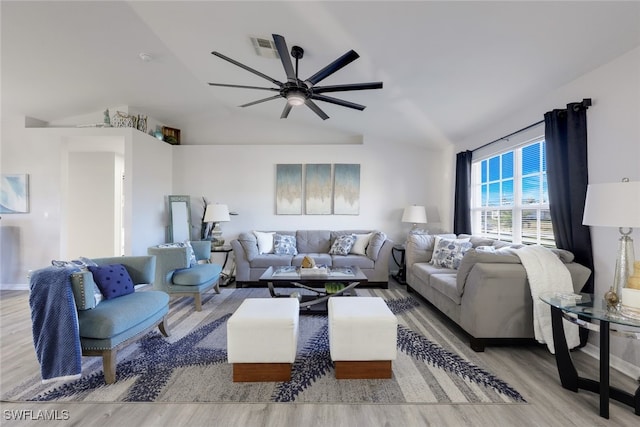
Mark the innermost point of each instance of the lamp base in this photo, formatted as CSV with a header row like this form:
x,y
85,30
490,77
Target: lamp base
x,y
624,267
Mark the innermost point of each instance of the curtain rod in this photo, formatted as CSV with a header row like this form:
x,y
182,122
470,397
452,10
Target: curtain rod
x,y
586,103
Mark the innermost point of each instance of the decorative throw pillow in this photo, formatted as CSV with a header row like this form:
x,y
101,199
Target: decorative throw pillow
x,y
113,280
191,254
375,243
448,253
284,244
360,245
265,241
342,245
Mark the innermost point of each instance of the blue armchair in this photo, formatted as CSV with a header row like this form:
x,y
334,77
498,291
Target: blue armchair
x,y
177,275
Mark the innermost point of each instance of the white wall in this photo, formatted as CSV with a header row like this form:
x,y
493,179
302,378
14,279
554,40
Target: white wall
x,y
30,241
243,177
614,153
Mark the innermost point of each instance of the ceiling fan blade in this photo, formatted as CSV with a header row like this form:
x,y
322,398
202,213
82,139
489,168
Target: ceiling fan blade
x,y
338,102
283,51
261,100
285,112
251,70
316,109
245,87
344,60
355,86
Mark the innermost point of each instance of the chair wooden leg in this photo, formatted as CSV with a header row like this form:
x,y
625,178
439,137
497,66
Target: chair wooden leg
x,y
162,326
198,300
216,287
109,365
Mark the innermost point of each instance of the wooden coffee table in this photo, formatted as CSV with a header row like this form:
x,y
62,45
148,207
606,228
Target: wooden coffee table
x,y
334,281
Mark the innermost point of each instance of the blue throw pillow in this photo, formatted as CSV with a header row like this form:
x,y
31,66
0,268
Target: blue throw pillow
x,y
113,280
343,244
284,244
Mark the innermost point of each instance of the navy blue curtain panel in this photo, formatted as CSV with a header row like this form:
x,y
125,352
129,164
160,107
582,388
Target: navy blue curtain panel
x,y
567,176
462,207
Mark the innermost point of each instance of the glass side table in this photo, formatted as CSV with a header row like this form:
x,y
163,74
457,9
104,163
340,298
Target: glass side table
x,y
566,306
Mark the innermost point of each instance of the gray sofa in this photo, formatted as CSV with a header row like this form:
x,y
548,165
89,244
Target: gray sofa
x,y
374,261
488,294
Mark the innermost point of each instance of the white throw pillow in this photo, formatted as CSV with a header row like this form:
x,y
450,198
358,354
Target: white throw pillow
x,y
265,241
360,245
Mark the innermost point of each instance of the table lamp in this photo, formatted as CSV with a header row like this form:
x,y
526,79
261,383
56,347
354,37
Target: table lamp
x,y
414,215
617,205
216,213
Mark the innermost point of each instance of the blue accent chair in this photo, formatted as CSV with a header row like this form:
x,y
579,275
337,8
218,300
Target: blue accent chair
x,y
109,324
176,276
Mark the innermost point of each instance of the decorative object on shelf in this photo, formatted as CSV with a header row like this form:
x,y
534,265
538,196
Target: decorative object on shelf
x,y
107,119
142,123
216,213
123,120
171,135
14,193
616,204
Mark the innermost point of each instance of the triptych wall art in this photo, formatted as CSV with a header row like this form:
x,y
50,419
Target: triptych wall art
x,y
328,189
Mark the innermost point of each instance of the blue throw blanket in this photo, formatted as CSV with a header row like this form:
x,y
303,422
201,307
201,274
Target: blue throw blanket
x,y
55,324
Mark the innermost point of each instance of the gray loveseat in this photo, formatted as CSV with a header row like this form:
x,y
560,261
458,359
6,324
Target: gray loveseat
x,y
372,257
488,294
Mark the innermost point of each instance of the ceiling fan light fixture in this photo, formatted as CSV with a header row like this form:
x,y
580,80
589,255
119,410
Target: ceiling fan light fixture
x,y
295,98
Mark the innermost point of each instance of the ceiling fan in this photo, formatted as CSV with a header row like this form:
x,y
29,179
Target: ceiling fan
x,y
298,92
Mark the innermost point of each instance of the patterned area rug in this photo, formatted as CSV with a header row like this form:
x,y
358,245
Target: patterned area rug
x,y
433,366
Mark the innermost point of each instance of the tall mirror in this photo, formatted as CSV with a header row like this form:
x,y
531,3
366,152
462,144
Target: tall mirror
x,y
179,219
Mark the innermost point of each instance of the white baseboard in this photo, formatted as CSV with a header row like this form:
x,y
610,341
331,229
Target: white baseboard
x,y
14,287
615,362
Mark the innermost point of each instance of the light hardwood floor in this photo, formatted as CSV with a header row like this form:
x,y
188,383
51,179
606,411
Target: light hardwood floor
x,y
529,369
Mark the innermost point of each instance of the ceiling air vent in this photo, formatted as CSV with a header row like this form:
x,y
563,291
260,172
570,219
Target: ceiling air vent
x,y
264,47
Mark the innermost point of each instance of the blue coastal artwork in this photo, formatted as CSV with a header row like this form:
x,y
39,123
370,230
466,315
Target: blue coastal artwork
x,y
289,189
346,189
318,189
14,193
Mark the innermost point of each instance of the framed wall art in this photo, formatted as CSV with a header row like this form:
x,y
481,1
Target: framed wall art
x,y
289,189
318,189
14,193
346,189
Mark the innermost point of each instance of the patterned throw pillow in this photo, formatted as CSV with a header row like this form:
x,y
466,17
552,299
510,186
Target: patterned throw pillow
x,y
284,244
113,280
448,253
342,245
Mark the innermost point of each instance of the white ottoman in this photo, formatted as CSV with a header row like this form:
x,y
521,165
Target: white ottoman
x,y
262,337
362,337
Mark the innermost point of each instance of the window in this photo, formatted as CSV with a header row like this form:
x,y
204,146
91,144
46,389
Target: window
x,y
509,198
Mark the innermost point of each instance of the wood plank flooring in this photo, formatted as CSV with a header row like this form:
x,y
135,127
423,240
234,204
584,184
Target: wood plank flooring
x,y
529,369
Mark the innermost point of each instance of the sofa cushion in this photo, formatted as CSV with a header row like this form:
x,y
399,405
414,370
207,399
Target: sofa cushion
x,y
360,245
249,243
446,285
473,256
353,260
284,244
113,280
424,271
313,241
342,245
268,260
196,275
320,259
113,317
448,253
376,241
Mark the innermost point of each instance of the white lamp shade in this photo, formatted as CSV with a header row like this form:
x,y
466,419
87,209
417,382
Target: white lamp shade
x,y
415,215
614,204
216,213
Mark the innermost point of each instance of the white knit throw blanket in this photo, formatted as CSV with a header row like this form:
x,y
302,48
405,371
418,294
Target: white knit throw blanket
x,y
546,273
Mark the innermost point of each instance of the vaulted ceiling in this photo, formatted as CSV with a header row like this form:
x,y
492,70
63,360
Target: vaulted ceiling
x,y
449,68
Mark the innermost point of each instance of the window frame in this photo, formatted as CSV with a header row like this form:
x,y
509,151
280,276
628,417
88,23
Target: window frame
x,y
516,206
